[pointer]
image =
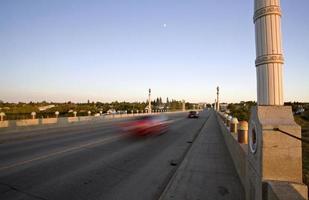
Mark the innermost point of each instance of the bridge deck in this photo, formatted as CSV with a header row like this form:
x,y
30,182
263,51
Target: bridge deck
x,y
207,172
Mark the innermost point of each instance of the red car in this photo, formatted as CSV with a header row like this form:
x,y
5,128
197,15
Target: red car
x,y
145,125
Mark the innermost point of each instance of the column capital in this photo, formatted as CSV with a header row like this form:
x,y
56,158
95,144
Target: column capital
x,y
268,10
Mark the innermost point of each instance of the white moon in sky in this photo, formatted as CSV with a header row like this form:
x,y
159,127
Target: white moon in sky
x,y
164,25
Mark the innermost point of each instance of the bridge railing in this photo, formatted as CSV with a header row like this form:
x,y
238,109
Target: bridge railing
x,y
13,125
272,190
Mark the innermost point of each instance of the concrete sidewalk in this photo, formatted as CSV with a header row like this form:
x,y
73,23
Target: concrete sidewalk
x,y
207,172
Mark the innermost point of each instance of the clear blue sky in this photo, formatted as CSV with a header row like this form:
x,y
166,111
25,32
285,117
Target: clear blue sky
x,y
63,50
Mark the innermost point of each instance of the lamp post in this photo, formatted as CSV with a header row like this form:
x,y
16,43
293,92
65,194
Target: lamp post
x,y
269,156
218,102
149,101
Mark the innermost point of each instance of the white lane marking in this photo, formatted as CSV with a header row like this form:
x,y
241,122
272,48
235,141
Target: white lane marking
x,y
102,141
174,120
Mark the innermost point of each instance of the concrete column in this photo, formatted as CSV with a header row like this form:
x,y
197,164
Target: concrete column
x,y
274,157
269,56
242,132
233,125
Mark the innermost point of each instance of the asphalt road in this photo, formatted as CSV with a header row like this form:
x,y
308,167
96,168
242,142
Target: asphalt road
x,y
94,161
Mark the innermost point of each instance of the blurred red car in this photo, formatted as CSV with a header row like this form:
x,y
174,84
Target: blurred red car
x,y
145,125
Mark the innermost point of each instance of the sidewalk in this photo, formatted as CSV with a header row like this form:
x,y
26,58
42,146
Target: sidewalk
x,y
207,172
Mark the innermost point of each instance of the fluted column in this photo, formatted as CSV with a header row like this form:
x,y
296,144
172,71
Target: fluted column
x,y
269,56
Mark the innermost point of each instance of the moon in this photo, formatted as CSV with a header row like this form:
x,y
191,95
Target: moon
x,y
164,25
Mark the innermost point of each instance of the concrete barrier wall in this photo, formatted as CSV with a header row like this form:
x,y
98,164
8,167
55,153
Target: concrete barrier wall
x,y
86,118
73,119
27,122
4,124
49,121
30,124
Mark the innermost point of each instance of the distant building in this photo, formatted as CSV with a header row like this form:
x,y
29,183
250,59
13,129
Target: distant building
x,y
42,108
111,111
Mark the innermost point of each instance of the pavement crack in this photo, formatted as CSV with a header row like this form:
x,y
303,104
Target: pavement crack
x,y
23,192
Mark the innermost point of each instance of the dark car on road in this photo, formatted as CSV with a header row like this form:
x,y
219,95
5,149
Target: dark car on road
x,y
193,114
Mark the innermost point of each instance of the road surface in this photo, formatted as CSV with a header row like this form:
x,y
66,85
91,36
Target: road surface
x,y
94,161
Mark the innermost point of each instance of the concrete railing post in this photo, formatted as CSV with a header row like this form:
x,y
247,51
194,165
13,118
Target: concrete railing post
x,y
33,114
242,132
57,114
75,113
228,121
233,125
2,114
89,113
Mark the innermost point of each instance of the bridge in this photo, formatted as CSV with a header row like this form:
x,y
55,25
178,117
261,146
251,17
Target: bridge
x,y
93,161
195,159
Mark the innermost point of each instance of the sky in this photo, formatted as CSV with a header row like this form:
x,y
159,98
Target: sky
x,y
107,50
